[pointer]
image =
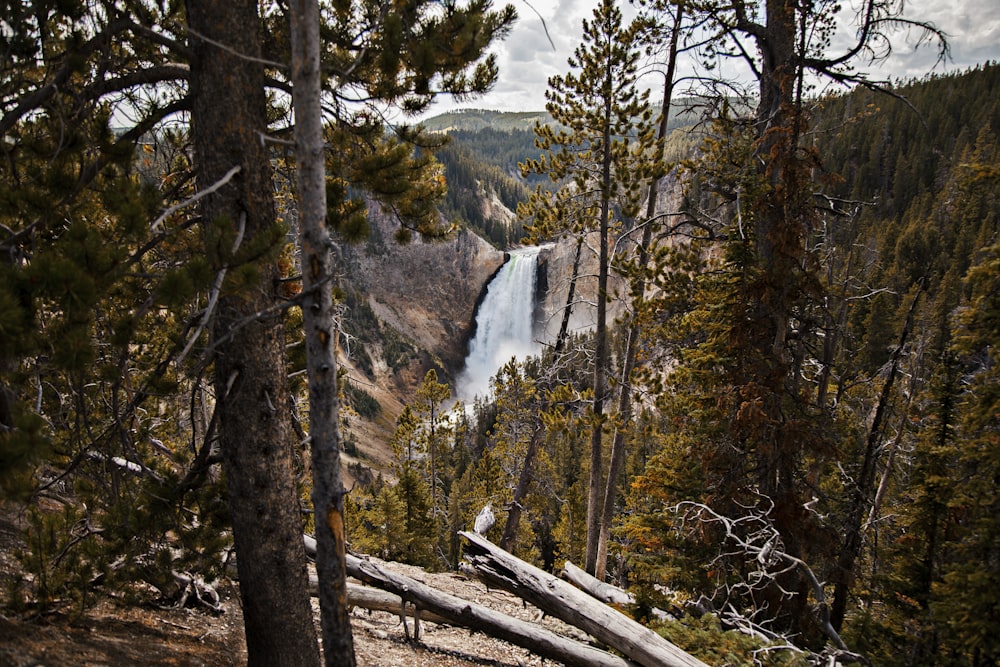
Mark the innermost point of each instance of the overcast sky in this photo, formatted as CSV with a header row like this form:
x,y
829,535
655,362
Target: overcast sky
x,y
527,59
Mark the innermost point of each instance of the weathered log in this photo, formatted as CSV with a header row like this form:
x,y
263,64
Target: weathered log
x,y
594,587
375,599
603,591
457,611
557,598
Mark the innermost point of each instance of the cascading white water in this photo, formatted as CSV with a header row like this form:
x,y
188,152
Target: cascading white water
x,y
504,324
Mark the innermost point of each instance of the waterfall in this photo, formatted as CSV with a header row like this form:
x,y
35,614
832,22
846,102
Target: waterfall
x,y
504,324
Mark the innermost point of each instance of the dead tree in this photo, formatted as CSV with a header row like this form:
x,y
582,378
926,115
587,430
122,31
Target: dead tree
x,y
557,598
461,612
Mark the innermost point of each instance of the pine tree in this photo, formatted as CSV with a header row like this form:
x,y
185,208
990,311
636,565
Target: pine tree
x,y
598,110
962,598
637,271
70,67
255,420
434,436
319,322
514,443
97,301
765,438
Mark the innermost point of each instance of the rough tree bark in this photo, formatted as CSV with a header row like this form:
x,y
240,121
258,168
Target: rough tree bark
x,y
228,113
570,295
319,323
602,354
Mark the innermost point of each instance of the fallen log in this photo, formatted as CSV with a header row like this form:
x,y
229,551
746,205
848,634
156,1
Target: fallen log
x,y
457,611
594,587
375,599
499,569
603,591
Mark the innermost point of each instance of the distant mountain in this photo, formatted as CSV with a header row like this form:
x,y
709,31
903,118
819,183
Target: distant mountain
x,y
683,112
479,119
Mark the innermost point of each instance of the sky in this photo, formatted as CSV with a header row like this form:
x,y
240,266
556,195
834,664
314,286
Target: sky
x,y
527,59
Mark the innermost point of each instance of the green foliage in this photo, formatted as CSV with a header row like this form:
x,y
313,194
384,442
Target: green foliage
x,y
705,639
601,140
393,522
908,568
471,185
962,601
398,521
22,446
365,162
109,280
764,340
397,350
57,569
364,403
424,474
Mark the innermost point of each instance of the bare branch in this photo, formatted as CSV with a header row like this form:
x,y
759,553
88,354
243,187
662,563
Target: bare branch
x,y
39,96
187,202
758,541
213,297
144,76
229,49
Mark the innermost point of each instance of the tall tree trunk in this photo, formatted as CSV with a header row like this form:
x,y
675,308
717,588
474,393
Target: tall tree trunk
x,y
509,537
775,282
632,345
601,351
570,295
862,495
319,321
228,113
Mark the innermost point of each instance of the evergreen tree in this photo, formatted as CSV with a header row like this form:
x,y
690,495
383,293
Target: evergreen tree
x,y
71,68
963,601
916,557
434,436
255,420
601,139
638,273
420,533
318,319
514,445
765,440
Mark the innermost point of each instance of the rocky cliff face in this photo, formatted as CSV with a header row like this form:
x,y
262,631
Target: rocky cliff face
x,y
411,308
556,274
425,290
414,305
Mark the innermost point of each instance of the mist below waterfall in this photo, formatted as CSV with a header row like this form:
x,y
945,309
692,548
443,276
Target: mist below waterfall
x,y
504,324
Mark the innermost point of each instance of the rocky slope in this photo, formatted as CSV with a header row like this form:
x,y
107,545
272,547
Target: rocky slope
x,y
411,308
426,290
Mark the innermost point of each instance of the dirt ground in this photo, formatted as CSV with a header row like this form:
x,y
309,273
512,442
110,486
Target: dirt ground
x,y
112,634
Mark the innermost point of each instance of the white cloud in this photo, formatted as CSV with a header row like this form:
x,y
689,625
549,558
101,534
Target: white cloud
x,y
527,59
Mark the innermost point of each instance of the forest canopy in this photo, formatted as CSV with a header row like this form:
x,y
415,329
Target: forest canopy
x,y
792,427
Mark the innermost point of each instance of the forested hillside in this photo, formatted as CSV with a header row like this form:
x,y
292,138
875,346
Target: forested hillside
x,y
484,187
892,412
